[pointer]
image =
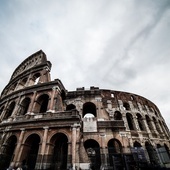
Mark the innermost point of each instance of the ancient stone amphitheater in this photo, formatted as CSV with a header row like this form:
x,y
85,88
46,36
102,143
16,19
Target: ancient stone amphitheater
x,y
44,126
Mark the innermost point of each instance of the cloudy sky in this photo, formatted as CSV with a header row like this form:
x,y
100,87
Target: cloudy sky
x,y
113,44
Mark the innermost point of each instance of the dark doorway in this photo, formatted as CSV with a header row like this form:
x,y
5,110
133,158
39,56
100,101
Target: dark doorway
x,y
8,152
60,152
115,154
31,151
93,151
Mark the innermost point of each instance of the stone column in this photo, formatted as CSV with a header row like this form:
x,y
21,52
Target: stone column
x,y
43,148
4,110
125,121
30,109
136,123
73,144
17,107
51,106
17,157
147,128
103,150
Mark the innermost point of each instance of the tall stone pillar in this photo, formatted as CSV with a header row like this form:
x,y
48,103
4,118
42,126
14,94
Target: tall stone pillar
x,y
17,107
125,121
136,123
51,106
74,146
42,154
4,110
103,150
30,109
17,158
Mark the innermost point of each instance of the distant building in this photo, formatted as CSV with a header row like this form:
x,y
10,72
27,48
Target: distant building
x,y
44,126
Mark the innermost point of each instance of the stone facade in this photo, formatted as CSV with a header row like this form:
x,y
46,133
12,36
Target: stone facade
x,y
44,126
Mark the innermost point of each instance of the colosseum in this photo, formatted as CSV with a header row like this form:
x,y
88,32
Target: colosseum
x,y
44,126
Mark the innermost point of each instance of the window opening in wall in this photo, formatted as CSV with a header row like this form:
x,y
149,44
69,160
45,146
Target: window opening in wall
x,y
112,95
89,108
130,121
10,110
36,78
93,152
42,104
140,122
117,115
24,106
63,95
126,106
70,107
156,113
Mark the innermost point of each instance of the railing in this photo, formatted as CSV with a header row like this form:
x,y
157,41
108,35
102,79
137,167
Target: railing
x,y
111,124
42,116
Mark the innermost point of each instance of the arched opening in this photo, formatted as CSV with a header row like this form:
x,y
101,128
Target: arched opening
x,y
12,88
115,156
22,83
126,106
70,107
148,120
24,106
89,108
42,104
139,155
137,144
130,121
93,151
30,151
8,152
140,122
63,95
60,152
117,115
152,154
10,110
36,78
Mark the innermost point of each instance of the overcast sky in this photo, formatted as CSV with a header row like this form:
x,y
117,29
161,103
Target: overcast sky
x,y
113,44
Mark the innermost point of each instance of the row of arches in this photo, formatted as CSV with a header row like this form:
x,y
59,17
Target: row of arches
x,y
58,153
31,152
26,81
30,80
89,110
152,124
41,106
146,108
